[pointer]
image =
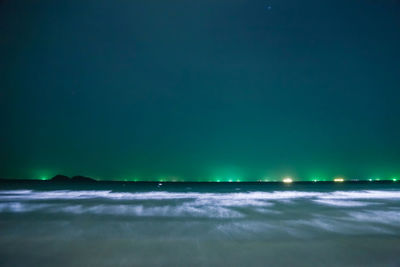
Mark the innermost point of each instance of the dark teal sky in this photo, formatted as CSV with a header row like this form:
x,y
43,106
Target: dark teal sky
x,y
200,90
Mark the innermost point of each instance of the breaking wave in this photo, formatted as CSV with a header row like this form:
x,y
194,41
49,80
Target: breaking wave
x,y
240,214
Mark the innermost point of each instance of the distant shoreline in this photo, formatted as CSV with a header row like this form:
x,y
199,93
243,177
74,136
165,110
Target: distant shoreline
x,y
91,180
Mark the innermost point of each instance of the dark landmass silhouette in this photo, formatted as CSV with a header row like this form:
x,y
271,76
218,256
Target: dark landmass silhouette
x,y
75,179
60,178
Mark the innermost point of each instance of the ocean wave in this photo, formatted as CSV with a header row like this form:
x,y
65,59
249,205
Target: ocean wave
x,y
343,203
276,214
227,198
192,204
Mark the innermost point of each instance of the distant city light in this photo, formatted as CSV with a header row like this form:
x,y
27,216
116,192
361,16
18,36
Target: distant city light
x,y
287,180
338,180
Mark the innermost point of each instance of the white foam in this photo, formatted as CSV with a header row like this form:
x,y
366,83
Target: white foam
x,y
162,195
238,214
342,203
154,195
19,207
337,198
377,216
368,194
340,225
190,204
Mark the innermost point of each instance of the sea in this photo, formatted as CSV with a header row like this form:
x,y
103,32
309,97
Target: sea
x,y
46,223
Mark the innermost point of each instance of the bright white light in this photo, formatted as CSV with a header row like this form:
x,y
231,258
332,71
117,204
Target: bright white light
x,y
339,180
287,180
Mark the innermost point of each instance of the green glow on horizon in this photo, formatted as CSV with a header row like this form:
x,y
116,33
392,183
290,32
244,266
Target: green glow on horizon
x,y
316,179
231,178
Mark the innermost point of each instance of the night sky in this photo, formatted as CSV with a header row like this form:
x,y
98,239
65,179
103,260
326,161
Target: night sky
x,y
200,90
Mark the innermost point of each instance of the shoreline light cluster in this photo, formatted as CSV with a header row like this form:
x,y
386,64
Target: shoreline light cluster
x,y
285,180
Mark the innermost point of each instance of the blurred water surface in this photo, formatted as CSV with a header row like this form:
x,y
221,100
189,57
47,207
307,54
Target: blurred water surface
x,y
199,224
